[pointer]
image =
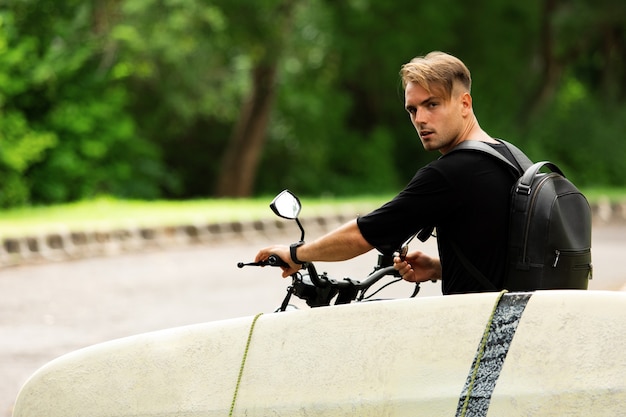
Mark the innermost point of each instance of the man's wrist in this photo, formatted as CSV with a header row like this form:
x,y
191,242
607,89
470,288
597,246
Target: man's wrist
x,y
292,251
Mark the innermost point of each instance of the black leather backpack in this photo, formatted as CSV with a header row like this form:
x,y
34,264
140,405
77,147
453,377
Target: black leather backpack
x,y
549,243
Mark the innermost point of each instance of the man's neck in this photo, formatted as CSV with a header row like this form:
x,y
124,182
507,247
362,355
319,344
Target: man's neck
x,y
474,132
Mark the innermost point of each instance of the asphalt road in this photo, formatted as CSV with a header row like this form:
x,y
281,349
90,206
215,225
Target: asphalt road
x,y
52,309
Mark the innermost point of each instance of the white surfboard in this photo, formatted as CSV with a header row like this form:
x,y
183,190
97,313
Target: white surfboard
x,y
549,353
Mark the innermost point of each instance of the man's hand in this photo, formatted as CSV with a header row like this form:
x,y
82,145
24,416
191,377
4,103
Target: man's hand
x,y
283,253
418,267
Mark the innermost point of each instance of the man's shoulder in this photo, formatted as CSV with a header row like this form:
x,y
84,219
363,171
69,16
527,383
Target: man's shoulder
x,y
461,156
464,163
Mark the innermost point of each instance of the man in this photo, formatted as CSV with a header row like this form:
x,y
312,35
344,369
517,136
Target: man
x,y
465,195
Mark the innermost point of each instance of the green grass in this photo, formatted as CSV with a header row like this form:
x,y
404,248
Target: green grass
x,y
109,213
605,193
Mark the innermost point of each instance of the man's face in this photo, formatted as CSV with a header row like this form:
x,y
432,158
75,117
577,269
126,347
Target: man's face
x,y
439,122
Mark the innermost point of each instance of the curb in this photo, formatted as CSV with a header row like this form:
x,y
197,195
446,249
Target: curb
x,y
70,245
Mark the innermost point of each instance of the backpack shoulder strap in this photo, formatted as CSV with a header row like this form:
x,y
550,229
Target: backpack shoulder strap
x,y
523,163
520,157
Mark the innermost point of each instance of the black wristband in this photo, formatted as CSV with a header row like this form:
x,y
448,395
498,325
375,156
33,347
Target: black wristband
x,y
292,251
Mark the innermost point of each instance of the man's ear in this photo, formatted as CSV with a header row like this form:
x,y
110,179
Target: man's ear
x,y
466,103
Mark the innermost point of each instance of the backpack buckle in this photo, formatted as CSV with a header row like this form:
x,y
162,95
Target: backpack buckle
x,y
523,189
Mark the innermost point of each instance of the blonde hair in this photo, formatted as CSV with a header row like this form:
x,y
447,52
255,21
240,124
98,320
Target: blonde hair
x,y
436,71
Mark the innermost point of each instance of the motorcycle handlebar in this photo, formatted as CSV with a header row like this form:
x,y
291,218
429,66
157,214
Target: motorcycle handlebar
x,y
376,276
320,290
274,260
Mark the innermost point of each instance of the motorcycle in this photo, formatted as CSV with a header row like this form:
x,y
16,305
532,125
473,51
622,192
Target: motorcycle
x,y
319,290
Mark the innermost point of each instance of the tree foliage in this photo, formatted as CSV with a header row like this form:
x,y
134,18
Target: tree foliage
x,y
193,98
62,105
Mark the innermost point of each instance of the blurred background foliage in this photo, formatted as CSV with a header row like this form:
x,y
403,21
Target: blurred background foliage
x,y
183,99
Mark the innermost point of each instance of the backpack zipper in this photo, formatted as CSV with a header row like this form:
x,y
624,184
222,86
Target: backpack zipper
x,y
557,256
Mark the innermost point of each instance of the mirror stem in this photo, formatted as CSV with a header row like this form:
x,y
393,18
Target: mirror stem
x,y
301,229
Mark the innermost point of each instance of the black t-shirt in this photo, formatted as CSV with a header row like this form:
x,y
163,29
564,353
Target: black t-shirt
x,y
465,195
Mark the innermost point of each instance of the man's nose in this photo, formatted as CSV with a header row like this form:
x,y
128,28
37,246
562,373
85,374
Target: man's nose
x,y
418,117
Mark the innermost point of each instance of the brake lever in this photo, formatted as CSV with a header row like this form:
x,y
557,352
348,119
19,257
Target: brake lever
x,y
272,260
404,249
422,234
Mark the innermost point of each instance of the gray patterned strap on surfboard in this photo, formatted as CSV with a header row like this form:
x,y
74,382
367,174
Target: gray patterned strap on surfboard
x,y
491,354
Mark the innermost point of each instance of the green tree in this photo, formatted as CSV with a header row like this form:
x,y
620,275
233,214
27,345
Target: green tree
x,y
188,77
340,126
21,144
62,102
576,110
189,98
265,38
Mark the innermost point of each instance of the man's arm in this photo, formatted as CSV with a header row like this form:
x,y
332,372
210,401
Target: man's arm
x,y
345,242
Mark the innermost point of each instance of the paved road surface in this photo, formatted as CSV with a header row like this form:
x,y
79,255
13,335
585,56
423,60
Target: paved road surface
x,y
49,310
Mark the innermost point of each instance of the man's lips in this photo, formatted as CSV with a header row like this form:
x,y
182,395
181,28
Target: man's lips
x,y
425,134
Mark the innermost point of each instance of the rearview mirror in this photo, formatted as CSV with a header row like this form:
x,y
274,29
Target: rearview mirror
x,y
286,205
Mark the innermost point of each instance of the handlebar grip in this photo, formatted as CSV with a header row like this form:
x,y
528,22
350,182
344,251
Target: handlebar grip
x,y
274,260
